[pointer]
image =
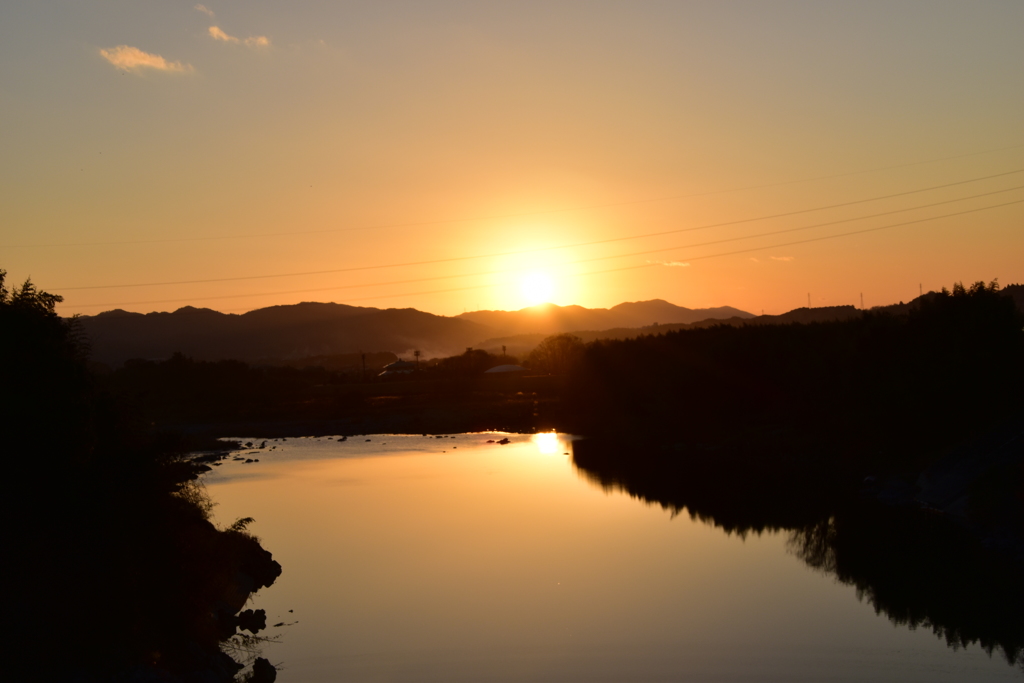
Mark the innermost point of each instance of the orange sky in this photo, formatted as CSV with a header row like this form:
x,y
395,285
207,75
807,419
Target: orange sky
x,y
434,154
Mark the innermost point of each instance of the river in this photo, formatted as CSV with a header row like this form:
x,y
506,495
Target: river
x,y
416,558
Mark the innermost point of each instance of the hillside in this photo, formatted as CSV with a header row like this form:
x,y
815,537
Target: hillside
x,y
301,330
308,330
325,329
520,344
551,319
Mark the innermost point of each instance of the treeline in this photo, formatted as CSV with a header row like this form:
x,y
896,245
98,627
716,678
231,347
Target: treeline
x,y
114,568
771,427
181,389
954,362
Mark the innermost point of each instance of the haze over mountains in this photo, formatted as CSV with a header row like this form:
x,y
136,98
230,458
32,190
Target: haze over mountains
x,y
552,319
318,329
307,330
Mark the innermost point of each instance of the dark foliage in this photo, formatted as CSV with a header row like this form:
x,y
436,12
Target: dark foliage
x,y
113,566
556,354
928,377
229,397
469,364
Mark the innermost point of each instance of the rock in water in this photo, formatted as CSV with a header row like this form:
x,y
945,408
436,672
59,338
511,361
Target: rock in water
x,y
263,671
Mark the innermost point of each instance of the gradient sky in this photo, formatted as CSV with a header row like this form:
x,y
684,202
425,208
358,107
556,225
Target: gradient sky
x,y
155,142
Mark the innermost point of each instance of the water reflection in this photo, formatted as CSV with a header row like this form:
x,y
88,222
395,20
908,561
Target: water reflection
x,y
919,570
465,559
921,573
548,443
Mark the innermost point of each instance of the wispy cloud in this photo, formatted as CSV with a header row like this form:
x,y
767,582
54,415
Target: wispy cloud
x,y
134,59
783,258
674,264
204,9
217,34
252,41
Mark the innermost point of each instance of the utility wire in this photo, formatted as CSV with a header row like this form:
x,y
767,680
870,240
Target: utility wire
x,y
811,239
590,260
805,227
543,249
599,272
445,221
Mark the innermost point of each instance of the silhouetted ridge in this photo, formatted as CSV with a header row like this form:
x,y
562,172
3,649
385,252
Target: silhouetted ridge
x,y
278,332
553,319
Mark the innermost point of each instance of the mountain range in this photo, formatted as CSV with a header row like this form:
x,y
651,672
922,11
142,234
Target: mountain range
x,y
302,332
321,329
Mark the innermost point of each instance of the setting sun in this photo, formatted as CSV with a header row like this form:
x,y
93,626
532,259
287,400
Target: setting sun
x,y
536,288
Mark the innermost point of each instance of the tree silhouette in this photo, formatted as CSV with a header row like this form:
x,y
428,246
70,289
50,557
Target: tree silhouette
x,y
557,354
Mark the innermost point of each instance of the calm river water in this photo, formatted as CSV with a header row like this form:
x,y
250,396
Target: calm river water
x,y
411,558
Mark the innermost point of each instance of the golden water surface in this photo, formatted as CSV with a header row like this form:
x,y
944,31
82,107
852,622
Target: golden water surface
x,y
410,558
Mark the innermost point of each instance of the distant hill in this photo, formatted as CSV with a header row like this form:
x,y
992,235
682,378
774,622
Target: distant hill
x,y
278,332
315,332
520,344
551,319
319,330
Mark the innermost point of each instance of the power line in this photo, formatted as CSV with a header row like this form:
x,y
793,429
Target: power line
x,y
572,263
805,227
445,221
599,272
565,246
814,239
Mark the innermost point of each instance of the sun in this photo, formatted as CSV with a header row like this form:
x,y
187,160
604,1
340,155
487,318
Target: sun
x,y
536,288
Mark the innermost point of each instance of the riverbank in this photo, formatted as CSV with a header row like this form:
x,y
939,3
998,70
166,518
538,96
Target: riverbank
x,y
126,571
114,569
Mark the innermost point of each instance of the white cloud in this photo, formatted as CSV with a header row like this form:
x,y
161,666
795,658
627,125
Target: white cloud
x,y
204,9
252,41
217,34
134,59
675,264
782,258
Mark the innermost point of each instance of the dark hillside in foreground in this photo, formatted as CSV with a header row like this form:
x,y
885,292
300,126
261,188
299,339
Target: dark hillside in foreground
x,y
110,552
873,371
807,412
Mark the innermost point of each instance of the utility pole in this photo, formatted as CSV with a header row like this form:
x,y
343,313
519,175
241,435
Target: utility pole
x,y
502,349
416,353
808,299
920,289
862,301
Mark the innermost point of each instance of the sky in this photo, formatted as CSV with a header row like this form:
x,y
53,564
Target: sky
x,y
454,156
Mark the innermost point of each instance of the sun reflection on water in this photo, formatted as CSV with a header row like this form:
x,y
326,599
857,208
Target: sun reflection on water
x,y
547,443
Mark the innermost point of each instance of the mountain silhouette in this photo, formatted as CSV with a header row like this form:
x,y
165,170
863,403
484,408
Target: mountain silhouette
x,y
311,329
300,330
320,329
551,319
